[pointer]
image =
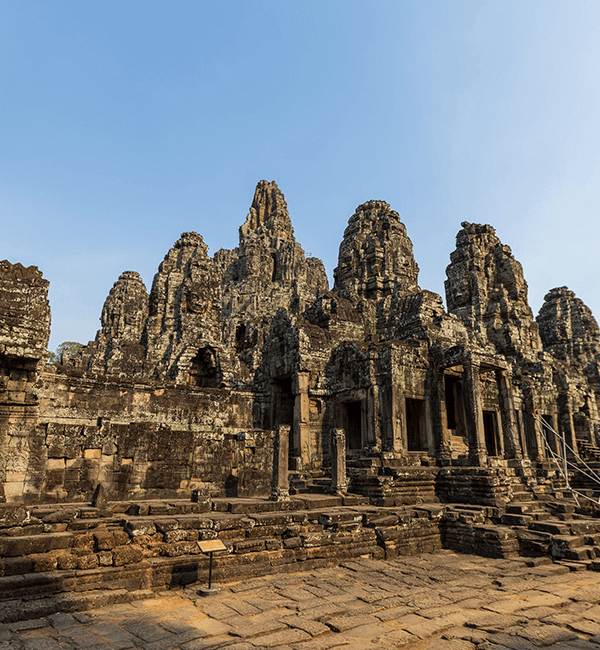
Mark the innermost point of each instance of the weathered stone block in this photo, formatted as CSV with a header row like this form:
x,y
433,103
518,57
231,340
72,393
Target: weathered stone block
x,y
123,555
89,561
14,515
18,546
105,540
249,546
136,527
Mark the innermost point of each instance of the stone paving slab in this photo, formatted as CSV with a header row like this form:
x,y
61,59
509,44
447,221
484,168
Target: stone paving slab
x,y
442,601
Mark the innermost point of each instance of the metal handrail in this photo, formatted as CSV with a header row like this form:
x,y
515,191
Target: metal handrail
x,y
564,463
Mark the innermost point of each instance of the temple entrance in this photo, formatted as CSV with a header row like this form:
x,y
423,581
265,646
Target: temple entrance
x,y
204,371
416,438
490,429
353,424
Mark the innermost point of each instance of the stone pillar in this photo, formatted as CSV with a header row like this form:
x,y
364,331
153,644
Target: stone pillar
x,y
301,420
594,419
564,424
438,419
373,422
339,480
398,408
280,485
512,444
520,424
532,427
474,414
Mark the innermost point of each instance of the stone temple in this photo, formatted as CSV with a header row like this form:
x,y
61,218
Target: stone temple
x,y
242,383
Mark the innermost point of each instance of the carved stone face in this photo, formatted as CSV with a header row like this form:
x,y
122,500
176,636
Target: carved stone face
x,y
194,302
132,317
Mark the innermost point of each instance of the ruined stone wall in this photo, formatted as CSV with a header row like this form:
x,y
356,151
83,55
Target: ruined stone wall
x,y
138,441
24,312
24,334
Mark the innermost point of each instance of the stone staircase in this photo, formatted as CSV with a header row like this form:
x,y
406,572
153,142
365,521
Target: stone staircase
x,y
310,483
588,482
588,450
541,520
390,482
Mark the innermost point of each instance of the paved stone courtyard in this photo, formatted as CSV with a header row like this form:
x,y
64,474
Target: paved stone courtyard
x,y
438,601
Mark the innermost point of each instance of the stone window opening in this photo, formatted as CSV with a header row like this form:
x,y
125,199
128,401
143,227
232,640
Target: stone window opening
x,y
282,411
283,402
204,372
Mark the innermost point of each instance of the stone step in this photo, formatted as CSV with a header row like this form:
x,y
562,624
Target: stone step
x,y
294,491
551,527
522,507
27,545
363,462
576,565
533,543
515,520
582,553
363,471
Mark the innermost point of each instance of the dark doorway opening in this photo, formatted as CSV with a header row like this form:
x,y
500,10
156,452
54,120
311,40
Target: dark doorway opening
x,y
283,402
415,429
240,337
449,388
353,425
490,429
455,410
204,370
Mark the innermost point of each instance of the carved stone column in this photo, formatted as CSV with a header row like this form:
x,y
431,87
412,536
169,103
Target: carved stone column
x,y
373,419
565,426
339,480
474,414
512,444
280,485
301,430
441,443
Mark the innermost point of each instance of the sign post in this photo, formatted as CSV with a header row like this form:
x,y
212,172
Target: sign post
x,y
210,546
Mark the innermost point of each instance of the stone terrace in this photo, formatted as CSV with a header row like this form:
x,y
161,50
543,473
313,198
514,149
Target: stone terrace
x,y
441,601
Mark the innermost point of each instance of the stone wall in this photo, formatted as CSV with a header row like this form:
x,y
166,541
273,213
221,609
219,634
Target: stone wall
x,y
139,441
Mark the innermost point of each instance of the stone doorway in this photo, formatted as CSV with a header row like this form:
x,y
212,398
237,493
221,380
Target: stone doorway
x,y
416,437
283,402
490,430
353,417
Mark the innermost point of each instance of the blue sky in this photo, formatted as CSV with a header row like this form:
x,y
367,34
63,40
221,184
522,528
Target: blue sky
x,y
124,124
